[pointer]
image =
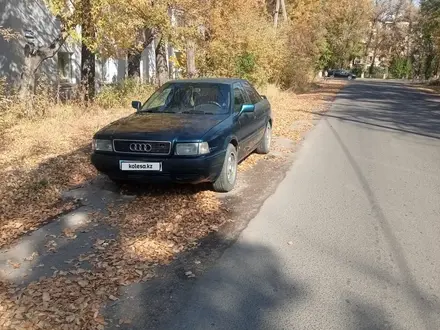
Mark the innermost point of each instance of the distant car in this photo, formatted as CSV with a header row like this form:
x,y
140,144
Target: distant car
x,y
341,74
190,131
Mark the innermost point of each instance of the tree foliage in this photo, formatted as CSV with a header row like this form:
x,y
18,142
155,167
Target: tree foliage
x,y
346,23
237,38
427,39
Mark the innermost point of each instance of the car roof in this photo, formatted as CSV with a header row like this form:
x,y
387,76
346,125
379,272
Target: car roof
x,y
226,81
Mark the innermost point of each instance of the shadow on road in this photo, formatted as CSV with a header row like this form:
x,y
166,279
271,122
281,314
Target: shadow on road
x,y
390,106
221,299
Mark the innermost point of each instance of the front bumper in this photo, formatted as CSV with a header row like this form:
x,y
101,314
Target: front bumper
x,y
174,169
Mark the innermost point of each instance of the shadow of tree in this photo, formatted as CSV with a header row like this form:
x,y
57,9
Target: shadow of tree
x,y
380,106
32,198
21,15
222,299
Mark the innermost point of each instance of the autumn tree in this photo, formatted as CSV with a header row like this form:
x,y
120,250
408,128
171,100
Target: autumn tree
x,y
427,36
346,23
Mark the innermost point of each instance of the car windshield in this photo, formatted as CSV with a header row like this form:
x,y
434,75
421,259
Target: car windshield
x,y
191,98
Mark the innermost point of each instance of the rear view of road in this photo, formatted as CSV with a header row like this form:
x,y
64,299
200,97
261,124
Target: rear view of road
x,y
351,238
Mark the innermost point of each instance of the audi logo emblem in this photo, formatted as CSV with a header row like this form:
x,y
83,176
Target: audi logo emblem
x,y
140,147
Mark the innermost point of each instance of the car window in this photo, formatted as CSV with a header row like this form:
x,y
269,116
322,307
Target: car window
x,y
197,98
160,99
239,99
252,93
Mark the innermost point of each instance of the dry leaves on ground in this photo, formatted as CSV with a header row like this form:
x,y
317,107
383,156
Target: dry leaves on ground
x,y
41,158
289,108
153,229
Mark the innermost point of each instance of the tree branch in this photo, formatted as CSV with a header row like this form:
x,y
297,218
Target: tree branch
x,y
49,52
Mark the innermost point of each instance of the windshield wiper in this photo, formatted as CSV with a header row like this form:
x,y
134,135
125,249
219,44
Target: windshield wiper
x,y
157,111
198,112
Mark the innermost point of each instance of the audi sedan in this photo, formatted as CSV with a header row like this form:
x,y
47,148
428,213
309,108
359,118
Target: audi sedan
x,y
188,131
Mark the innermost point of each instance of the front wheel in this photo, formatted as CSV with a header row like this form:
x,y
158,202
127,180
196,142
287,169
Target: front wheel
x,y
228,176
350,77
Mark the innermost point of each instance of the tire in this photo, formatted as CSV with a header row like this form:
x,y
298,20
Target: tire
x,y
332,76
228,176
349,77
264,146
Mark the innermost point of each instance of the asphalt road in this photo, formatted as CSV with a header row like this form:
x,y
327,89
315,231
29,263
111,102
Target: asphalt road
x,y
351,237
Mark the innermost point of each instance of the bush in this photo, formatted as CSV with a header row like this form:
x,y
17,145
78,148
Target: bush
x,y
400,67
122,93
357,70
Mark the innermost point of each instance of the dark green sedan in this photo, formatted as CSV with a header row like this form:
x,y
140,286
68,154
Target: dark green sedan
x,y
188,131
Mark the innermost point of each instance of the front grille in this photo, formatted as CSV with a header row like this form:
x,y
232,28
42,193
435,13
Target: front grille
x,y
142,147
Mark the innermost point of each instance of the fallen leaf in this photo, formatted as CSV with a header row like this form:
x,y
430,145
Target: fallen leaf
x,y
83,283
69,233
31,257
46,296
99,241
70,318
112,297
15,265
124,321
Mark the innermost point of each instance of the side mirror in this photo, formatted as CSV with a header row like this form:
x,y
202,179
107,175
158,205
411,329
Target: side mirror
x,y
136,104
247,108
264,97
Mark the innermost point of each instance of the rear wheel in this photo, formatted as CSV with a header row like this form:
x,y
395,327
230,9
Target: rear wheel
x,y
264,146
228,176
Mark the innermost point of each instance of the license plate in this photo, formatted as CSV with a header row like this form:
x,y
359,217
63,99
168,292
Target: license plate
x,y
126,165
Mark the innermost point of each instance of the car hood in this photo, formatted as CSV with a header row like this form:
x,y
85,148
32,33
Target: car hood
x,y
161,126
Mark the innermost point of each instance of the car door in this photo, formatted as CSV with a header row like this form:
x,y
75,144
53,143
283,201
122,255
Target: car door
x,y
260,113
244,121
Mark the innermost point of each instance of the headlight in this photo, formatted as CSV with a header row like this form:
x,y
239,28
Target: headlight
x,y
191,149
102,145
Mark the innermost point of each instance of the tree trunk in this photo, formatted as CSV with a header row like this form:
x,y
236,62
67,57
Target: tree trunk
x,y
87,73
367,47
28,81
134,63
429,66
34,57
134,57
191,59
373,61
161,63
283,6
28,75
277,10
87,56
